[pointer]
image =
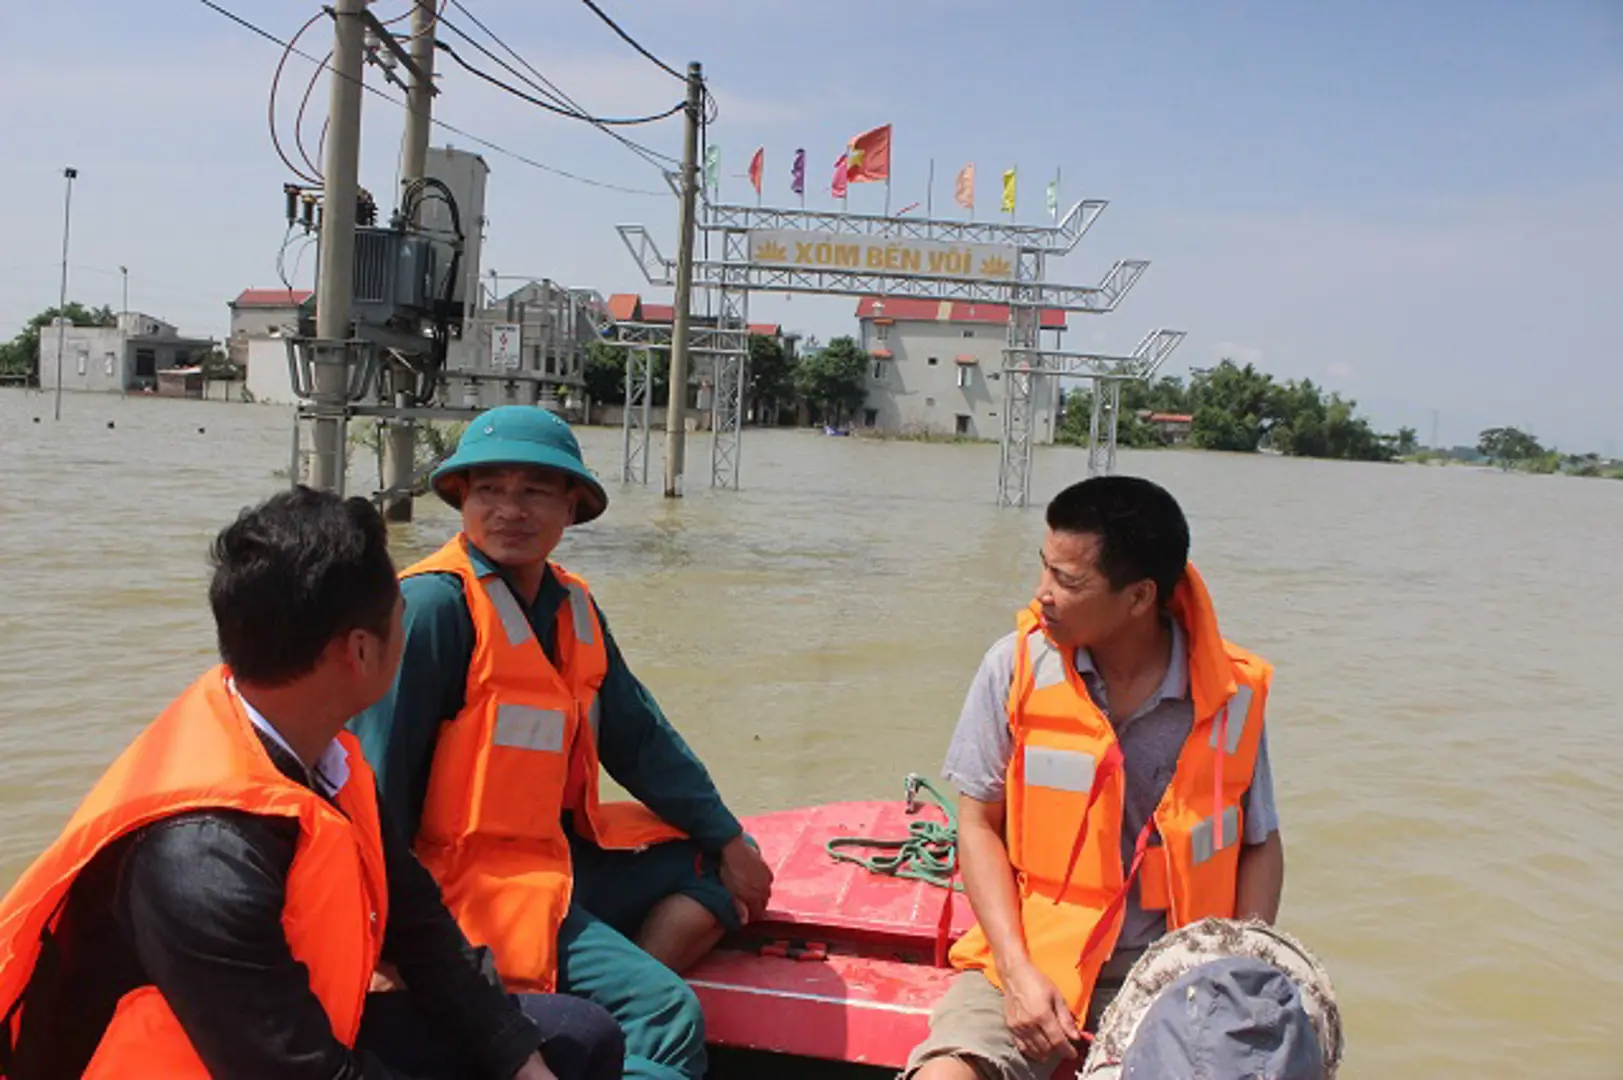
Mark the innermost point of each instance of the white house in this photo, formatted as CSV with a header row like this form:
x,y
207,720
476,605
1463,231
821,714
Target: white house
x,y
116,359
938,368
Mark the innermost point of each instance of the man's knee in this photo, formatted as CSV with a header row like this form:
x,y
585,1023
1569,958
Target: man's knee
x,y
969,1038
679,932
580,1040
947,1067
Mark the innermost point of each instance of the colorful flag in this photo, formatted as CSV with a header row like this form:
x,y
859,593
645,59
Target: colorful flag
x,y
838,187
963,192
869,156
756,164
1053,198
797,173
1008,191
712,167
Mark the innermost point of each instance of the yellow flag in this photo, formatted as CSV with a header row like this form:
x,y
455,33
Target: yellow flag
x,y
1008,191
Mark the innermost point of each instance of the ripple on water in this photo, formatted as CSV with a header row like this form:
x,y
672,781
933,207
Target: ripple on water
x,y
1441,723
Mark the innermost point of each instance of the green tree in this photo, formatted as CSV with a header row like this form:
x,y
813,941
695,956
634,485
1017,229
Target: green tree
x,y
1233,406
833,380
1241,409
1215,429
20,355
1507,446
605,373
1307,424
1408,441
771,378
216,364
1139,401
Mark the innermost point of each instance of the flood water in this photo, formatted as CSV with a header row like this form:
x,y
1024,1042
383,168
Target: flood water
x,y
1443,724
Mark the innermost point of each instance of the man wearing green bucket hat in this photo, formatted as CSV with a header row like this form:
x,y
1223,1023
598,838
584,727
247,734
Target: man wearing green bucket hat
x,y
512,696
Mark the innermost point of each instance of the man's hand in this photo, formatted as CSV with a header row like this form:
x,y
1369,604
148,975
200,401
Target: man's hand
x,y
534,1069
1037,1015
385,980
747,876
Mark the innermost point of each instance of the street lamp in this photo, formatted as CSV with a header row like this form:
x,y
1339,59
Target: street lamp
x,y
62,300
124,270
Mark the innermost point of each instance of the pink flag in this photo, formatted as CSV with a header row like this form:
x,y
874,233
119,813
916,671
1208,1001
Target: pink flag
x,y
963,192
756,164
838,187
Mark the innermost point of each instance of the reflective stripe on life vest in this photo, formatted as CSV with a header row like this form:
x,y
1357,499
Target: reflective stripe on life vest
x,y
521,752
1065,793
203,754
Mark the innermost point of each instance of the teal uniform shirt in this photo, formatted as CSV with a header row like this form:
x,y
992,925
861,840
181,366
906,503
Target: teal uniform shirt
x,y
637,745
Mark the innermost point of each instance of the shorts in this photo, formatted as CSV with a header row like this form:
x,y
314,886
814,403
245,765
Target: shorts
x,y
968,1024
622,887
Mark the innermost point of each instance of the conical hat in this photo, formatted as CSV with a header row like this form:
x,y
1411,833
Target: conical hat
x,y
1181,952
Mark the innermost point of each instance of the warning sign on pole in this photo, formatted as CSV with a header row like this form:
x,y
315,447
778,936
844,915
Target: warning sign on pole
x,y
504,347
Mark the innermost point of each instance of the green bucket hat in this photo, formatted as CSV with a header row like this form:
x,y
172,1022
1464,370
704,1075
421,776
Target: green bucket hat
x,y
521,435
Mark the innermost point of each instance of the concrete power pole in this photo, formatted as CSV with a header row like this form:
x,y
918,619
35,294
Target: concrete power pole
x,y
400,446
337,248
675,424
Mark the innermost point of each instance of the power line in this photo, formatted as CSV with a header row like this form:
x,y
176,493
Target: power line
x,y
312,177
298,119
634,43
544,85
453,129
547,105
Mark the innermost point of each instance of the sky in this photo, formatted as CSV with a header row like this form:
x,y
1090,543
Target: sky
x,y
1419,205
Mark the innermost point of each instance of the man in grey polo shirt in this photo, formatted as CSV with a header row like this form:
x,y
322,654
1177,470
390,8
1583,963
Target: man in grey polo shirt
x,y
1115,552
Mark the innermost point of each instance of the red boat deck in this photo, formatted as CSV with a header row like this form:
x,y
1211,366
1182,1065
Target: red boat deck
x,y
866,954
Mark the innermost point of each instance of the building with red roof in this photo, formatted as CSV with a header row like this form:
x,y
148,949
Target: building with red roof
x,y
938,368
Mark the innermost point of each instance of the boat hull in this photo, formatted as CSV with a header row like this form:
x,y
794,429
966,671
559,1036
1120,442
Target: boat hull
x,y
837,981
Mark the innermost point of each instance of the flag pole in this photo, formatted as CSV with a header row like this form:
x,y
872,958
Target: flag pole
x,y
929,193
1056,195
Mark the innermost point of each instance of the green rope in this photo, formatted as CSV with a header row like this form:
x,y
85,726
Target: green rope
x,y
928,854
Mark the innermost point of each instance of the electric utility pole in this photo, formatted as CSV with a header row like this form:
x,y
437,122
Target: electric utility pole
x,y
400,443
675,424
341,172
69,174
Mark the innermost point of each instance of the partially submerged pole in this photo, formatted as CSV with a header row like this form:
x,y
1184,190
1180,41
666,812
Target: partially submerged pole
x,y
340,185
675,422
400,441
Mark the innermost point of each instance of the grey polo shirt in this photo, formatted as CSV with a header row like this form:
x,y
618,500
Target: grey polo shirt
x,y
1151,739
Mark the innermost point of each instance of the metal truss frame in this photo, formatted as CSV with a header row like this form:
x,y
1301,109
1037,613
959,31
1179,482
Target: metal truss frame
x,y
1027,295
770,277
1056,239
639,403
727,346
1020,386
729,372
1106,414
1027,367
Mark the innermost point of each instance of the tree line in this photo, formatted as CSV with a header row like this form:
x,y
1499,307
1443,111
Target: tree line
x,y
1511,448
1242,409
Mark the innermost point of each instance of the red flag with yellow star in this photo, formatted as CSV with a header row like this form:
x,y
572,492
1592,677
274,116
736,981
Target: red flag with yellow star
x,y
868,156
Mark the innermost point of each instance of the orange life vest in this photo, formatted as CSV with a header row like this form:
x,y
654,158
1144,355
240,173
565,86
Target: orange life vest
x,y
1064,798
202,754
522,750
